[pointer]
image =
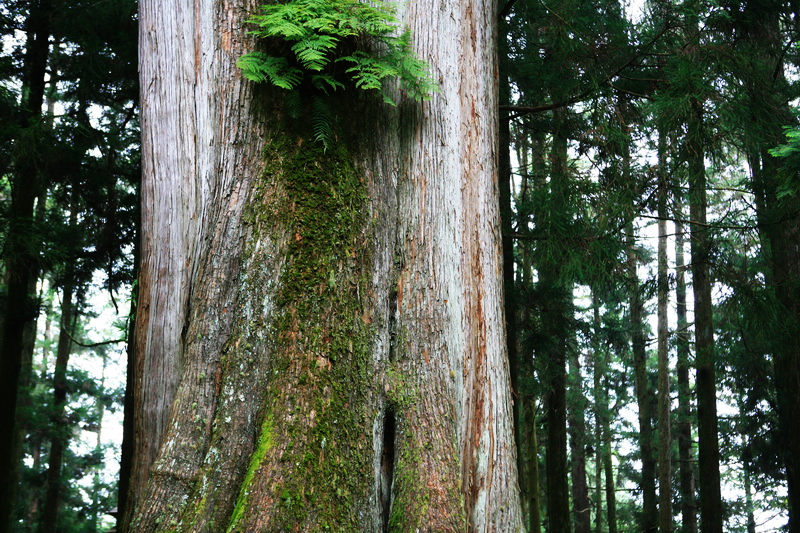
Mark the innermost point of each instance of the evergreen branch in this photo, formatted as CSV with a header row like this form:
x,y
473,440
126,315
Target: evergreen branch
x,y
524,110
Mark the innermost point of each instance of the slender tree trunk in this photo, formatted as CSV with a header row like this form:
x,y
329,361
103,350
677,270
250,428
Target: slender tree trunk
x,y
329,324
664,402
128,429
52,501
597,393
751,519
648,519
684,414
98,448
532,465
529,453
581,508
747,455
644,395
20,256
603,415
509,291
35,442
710,497
556,330
608,471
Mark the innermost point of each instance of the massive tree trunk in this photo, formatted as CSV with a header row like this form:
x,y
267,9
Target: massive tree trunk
x,y
320,339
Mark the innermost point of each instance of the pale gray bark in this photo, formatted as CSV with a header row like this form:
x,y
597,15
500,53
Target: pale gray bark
x,y
196,137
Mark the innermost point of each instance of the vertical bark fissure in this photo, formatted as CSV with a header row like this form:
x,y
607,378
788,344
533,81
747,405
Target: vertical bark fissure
x,y
387,452
387,466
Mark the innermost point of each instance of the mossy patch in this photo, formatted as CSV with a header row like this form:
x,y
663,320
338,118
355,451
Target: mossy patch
x,y
411,500
321,385
263,446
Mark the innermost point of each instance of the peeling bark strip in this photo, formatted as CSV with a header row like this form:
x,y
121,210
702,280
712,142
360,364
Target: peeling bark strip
x,y
321,335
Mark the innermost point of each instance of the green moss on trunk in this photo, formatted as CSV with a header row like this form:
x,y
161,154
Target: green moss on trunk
x,y
321,386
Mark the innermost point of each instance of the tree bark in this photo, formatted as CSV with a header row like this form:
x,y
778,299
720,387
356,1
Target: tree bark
x,y
325,329
664,402
684,414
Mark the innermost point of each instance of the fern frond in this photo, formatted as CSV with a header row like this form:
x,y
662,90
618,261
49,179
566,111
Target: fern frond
x,y
322,122
313,52
257,66
325,83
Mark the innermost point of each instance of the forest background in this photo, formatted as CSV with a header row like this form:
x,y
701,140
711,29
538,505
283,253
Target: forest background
x,y
649,199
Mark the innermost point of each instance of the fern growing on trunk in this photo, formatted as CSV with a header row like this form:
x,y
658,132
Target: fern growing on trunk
x,y
309,39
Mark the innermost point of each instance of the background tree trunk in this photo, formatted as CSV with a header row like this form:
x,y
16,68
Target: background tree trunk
x,y
708,446
581,508
684,414
326,329
664,402
555,324
60,440
21,254
644,394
